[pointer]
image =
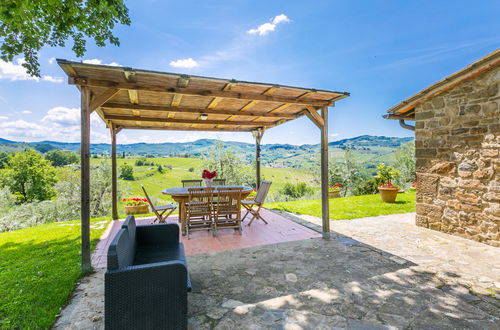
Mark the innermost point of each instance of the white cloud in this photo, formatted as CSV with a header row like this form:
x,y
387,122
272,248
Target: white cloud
x,y
26,112
265,28
334,135
4,117
15,71
187,63
53,79
52,60
62,116
99,62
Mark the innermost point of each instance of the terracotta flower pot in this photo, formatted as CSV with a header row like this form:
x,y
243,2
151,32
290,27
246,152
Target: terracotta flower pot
x,y
334,194
388,194
136,209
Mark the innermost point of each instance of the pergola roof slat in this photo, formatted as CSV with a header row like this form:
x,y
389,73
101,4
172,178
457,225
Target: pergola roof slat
x,y
138,98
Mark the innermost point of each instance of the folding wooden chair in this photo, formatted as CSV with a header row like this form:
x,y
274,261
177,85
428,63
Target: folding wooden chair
x,y
191,183
219,182
258,202
199,209
160,211
227,212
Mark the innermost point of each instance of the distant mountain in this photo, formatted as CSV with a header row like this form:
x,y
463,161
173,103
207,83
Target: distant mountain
x,y
286,155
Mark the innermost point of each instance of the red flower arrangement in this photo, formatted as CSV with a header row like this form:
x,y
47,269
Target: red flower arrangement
x,y
336,187
388,185
135,201
206,174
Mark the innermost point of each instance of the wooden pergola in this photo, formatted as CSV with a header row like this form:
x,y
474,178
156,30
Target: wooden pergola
x,y
127,98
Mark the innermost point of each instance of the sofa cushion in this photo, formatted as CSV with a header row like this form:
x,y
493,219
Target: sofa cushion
x,y
121,251
148,254
130,225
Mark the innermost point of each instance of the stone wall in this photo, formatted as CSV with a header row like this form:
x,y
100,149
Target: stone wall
x,y
458,162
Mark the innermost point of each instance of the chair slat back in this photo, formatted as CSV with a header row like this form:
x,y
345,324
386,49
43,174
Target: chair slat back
x,y
219,182
147,197
262,192
200,201
228,200
191,183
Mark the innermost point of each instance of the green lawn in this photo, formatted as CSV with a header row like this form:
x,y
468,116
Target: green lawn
x,y
39,268
350,207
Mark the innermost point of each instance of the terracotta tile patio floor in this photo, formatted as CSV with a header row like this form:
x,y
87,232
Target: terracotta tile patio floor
x,y
278,230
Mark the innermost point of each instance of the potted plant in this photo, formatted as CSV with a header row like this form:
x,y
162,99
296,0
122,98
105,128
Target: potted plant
x,y
334,191
136,205
388,191
208,177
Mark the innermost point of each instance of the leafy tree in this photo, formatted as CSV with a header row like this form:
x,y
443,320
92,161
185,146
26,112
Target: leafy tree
x,y
28,25
228,165
160,169
30,177
405,160
61,158
126,172
4,158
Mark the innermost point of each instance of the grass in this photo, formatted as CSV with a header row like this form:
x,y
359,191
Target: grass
x,y
350,207
39,268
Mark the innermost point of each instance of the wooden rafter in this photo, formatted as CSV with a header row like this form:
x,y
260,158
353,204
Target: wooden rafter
x,y
214,102
133,96
100,99
187,121
314,117
178,128
192,91
198,111
176,100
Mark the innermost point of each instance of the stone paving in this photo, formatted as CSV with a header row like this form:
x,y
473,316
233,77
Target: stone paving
x,y
376,273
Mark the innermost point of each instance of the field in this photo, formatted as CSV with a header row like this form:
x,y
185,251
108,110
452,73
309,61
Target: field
x,y
351,207
39,268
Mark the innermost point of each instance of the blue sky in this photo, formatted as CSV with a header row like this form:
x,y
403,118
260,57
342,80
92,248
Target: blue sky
x,y
379,51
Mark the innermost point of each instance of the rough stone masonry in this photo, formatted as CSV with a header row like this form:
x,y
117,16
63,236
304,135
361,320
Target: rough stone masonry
x,y
458,162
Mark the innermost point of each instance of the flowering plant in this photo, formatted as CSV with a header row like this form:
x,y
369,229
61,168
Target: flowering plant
x,y
135,201
334,188
206,174
388,185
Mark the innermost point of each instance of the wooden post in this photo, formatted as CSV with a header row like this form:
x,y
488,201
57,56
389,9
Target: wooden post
x,y
325,208
85,177
114,194
258,137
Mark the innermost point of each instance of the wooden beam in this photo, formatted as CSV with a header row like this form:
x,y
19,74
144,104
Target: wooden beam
x,y
228,86
102,98
214,102
183,81
199,111
189,121
314,117
258,137
85,177
191,91
176,100
249,105
176,128
281,107
270,90
114,183
133,96
325,207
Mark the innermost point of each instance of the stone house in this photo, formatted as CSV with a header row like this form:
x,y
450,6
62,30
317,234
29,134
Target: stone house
x,y
457,141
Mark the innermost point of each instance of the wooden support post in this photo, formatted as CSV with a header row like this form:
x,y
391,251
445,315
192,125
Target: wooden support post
x,y
114,195
85,177
258,137
325,209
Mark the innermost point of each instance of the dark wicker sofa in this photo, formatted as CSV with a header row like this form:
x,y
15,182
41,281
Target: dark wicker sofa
x,y
147,281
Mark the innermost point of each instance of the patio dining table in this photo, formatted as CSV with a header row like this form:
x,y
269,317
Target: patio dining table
x,y
181,196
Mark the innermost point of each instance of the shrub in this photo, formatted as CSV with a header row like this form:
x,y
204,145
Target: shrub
x,y
191,169
126,172
296,190
61,158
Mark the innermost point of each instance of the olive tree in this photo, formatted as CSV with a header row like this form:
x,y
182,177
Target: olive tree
x,y
28,25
